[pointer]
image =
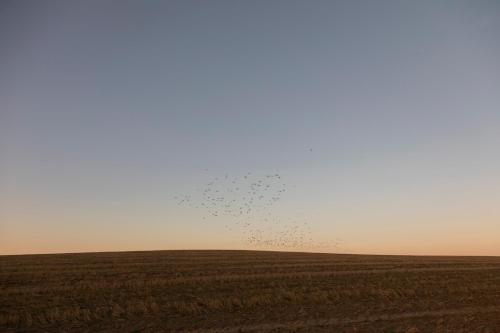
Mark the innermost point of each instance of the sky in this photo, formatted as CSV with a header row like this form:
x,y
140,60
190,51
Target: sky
x,y
384,115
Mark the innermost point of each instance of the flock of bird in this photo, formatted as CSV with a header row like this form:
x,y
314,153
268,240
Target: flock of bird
x,y
247,203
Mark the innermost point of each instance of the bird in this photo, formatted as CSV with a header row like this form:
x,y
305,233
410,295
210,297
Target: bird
x,y
249,200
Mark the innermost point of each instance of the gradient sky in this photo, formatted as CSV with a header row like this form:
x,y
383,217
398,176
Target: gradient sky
x,y
108,109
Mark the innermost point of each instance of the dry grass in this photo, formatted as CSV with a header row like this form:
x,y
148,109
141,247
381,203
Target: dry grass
x,y
233,291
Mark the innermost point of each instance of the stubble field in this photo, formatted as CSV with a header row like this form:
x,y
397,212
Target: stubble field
x,y
248,291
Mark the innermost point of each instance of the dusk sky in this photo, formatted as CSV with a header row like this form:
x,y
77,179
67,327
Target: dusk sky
x,y
383,116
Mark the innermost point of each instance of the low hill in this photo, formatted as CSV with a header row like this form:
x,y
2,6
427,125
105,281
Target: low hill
x,y
248,291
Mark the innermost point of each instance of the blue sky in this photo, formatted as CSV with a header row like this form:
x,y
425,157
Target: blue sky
x,y
108,109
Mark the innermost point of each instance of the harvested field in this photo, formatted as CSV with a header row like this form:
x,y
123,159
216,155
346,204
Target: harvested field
x,y
248,291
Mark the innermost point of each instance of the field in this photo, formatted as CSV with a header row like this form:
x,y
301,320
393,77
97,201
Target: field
x,y
248,291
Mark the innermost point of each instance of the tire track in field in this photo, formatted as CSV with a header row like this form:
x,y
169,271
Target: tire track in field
x,y
325,322
291,274
180,280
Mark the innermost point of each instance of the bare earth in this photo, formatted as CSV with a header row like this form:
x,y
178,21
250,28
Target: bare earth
x,y
248,291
